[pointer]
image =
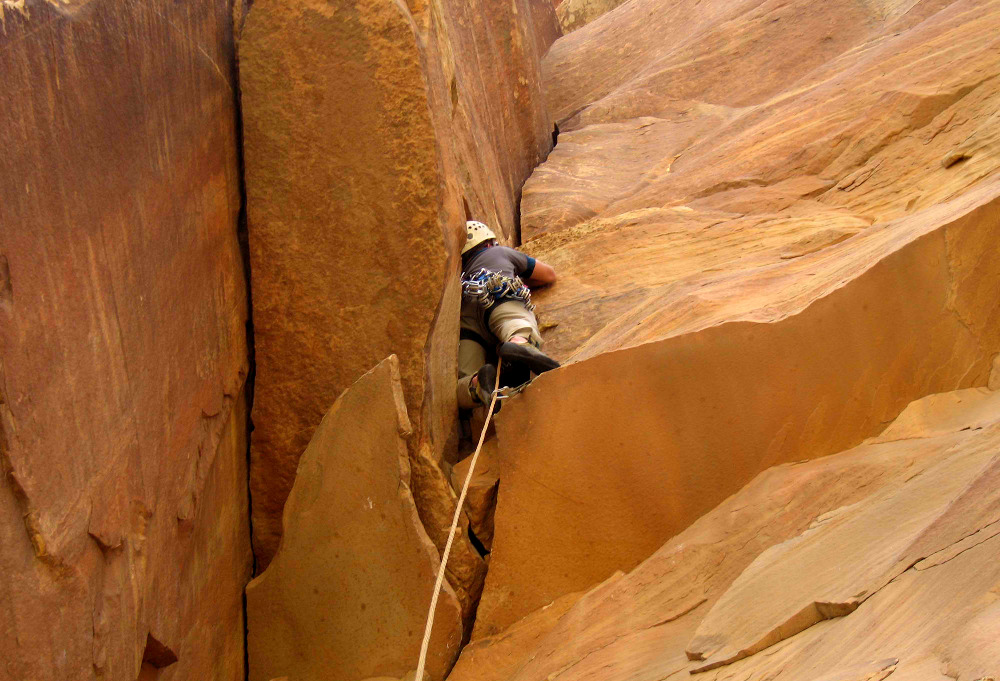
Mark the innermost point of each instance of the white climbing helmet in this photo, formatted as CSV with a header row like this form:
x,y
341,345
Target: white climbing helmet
x,y
475,234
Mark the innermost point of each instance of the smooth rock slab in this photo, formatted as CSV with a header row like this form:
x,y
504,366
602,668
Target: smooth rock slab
x,y
833,567
347,594
930,619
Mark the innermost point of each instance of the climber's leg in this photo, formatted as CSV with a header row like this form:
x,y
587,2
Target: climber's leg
x,y
517,328
484,383
512,321
471,358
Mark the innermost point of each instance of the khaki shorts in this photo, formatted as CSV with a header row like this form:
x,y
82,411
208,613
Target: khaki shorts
x,y
506,321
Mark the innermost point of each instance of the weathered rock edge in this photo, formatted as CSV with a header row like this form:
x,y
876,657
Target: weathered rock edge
x,y
932,613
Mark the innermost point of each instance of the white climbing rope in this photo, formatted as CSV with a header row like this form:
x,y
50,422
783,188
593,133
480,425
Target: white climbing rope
x,y
451,535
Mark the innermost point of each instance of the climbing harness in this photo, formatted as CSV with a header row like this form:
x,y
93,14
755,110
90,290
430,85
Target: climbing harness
x,y
489,289
451,534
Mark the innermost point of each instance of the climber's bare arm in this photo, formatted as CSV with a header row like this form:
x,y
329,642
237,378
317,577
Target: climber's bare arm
x,y
542,275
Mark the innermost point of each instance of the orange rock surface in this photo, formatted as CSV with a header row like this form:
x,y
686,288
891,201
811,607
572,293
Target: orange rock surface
x,y
481,497
771,235
605,459
372,130
124,542
771,450
686,172
348,591
877,560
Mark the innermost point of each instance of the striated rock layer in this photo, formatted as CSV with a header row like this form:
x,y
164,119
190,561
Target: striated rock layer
x,y
772,234
349,589
372,131
123,505
877,561
685,171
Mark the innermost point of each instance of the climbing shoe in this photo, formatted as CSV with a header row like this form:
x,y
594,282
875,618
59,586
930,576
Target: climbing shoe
x,y
486,379
528,355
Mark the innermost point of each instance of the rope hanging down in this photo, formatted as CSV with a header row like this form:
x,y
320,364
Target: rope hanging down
x,y
451,535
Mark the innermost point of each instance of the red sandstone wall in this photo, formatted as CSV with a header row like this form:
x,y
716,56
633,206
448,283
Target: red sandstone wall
x,y
370,134
122,343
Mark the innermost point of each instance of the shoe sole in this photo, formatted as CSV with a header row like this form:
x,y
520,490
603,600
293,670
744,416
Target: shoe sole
x,y
530,356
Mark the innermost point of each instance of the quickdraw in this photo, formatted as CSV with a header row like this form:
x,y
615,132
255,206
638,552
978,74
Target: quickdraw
x,y
492,288
508,392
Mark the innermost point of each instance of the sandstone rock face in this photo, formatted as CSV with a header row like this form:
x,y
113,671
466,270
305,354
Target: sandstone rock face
x,y
347,594
833,567
347,264
123,505
605,459
500,656
483,69
687,170
372,130
769,233
436,501
885,555
677,202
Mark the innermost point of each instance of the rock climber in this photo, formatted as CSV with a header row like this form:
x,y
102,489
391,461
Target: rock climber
x,y
497,317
